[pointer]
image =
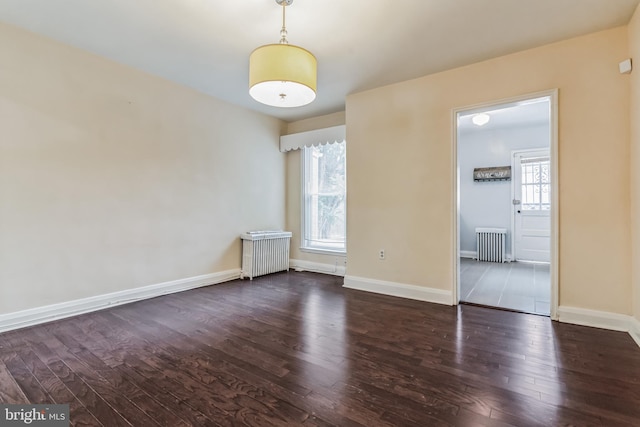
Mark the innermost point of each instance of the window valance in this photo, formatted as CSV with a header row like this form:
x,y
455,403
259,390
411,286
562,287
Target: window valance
x,y
296,141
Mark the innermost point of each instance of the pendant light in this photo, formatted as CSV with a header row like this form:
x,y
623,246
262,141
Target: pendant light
x,y
282,75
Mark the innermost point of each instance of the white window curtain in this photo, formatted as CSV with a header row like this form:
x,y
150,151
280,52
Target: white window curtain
x,y
296,141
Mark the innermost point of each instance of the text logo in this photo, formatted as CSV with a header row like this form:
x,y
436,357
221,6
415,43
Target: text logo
x,y
34,415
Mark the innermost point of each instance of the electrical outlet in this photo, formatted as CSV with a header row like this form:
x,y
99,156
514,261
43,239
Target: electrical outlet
x,y
381,254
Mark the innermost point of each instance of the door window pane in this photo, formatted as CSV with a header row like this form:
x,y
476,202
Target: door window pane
x,y
536,185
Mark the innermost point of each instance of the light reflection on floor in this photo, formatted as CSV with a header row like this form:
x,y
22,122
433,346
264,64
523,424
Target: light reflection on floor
x,y
536,341
324,341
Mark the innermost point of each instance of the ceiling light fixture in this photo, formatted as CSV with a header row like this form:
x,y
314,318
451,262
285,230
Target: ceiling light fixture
x,y
282,75
481,119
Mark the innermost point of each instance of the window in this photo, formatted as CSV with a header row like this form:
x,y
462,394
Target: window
x,y
536,184
324,198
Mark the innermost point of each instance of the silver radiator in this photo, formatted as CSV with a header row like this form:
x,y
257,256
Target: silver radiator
x,y
264,252
491,244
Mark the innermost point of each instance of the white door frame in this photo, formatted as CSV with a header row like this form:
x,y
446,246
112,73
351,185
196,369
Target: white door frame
x,y
553,153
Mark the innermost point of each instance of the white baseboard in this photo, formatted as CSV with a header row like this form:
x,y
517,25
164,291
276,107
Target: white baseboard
x,y
594,318
601,319
402,290
317,267
34,316
634,330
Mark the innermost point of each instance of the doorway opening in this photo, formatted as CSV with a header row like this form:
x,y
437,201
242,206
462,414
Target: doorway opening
x,y
506,223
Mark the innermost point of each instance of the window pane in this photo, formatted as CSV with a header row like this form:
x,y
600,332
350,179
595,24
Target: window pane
x,y
325,197
535,184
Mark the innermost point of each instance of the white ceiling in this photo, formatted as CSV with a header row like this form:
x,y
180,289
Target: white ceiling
x,y
515,114
359,44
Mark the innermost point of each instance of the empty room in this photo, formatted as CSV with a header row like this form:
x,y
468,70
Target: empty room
x,y
320,213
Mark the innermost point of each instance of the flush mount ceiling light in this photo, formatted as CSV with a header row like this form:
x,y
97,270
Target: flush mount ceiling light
x,y
481,119
282,75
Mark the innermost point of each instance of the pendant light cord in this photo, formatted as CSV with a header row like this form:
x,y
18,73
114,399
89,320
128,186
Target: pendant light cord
x,y
283,31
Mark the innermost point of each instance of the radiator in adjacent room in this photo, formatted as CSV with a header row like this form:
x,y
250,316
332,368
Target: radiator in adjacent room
x,y
491,244
264,252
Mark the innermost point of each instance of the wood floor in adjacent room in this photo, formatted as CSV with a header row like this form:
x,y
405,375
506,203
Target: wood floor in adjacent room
x,y
298,349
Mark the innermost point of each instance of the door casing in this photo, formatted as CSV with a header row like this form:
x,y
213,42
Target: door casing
x,y
455,190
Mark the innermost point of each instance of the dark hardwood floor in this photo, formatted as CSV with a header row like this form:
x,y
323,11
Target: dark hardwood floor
x,y
298,349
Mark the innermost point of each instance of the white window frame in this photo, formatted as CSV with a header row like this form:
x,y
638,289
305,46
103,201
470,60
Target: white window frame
x,y
305,245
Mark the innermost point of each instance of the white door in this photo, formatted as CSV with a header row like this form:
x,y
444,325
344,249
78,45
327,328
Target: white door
x,y
532,206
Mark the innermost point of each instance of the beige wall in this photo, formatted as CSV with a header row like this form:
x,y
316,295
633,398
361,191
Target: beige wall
x,y
112,179
294,190
634,53
400,167
319,122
